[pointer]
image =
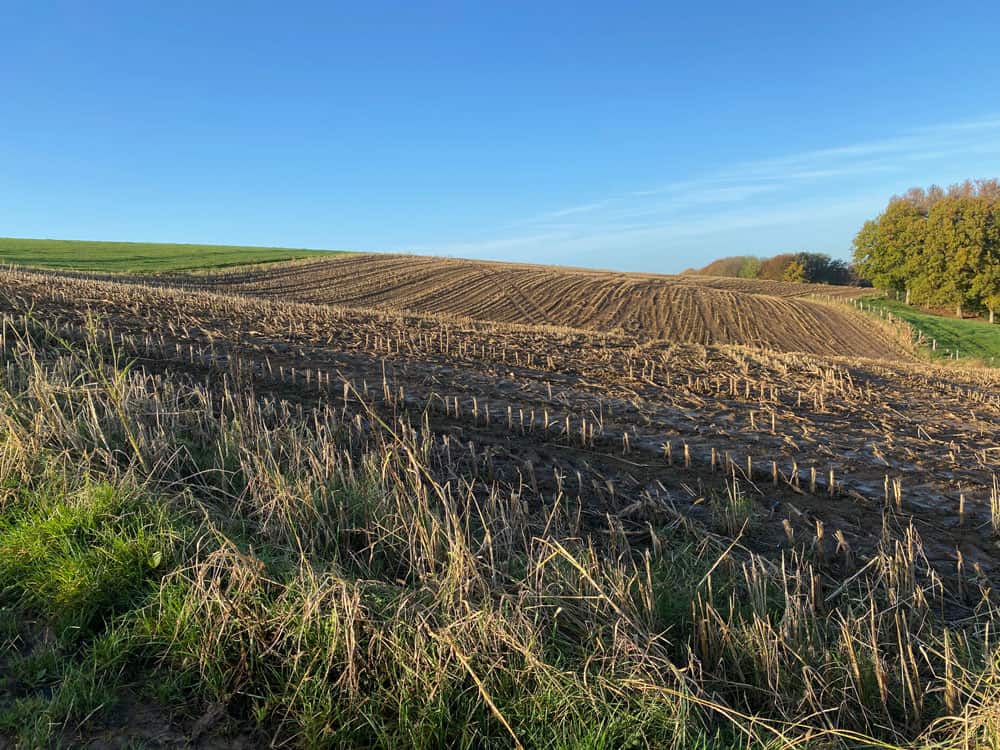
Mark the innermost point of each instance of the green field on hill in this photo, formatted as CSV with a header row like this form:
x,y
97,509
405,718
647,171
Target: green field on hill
x,y
974,339
139,257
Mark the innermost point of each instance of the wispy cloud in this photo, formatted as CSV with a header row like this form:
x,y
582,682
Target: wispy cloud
x,y
585,208
843,180
982,123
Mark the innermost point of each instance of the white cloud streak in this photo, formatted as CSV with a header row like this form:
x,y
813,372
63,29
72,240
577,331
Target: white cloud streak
x,y
744,197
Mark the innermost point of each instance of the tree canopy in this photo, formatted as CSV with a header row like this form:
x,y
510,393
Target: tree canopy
x,y
815,268
941,248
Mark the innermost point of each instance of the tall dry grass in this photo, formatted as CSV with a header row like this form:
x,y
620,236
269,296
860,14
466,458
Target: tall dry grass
x,y
333,578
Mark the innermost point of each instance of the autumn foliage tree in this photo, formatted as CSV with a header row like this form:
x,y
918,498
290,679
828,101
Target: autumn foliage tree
x,y
885,247
725,266
774,268
939,247
805,267
749,268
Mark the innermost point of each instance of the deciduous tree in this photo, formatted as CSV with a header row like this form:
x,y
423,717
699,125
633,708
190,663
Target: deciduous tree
x,y
962,236
887,250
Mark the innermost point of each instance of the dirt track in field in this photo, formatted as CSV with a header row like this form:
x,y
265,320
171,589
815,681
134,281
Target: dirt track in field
x,y
629,427
688,309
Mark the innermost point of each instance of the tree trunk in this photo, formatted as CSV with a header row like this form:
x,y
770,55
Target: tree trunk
x,y
907,295
958,311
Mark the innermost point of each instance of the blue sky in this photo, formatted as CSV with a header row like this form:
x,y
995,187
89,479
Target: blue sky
x,y
640,136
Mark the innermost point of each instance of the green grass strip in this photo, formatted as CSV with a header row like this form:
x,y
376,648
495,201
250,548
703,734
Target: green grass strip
x,y
140,257
972,339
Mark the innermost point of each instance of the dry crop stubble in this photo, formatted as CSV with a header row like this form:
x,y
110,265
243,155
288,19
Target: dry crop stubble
x,y
691,309
545,498
608,405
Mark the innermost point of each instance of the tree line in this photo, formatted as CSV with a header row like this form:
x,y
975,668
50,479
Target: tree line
x,y
937,247
805,267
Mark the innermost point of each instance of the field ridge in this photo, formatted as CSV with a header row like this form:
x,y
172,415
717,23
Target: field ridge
x,y
770,315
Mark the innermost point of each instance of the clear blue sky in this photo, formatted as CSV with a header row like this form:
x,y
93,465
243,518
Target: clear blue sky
x,y
628,135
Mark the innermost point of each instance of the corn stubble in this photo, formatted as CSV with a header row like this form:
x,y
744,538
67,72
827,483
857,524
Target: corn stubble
x,y
776,315
375,528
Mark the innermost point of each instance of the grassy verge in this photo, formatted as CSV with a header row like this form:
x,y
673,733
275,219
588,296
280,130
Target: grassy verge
x,y
139,257
971,339
320,580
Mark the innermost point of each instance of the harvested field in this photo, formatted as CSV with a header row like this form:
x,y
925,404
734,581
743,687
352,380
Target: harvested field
x,y
579,402
772,315
426,529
